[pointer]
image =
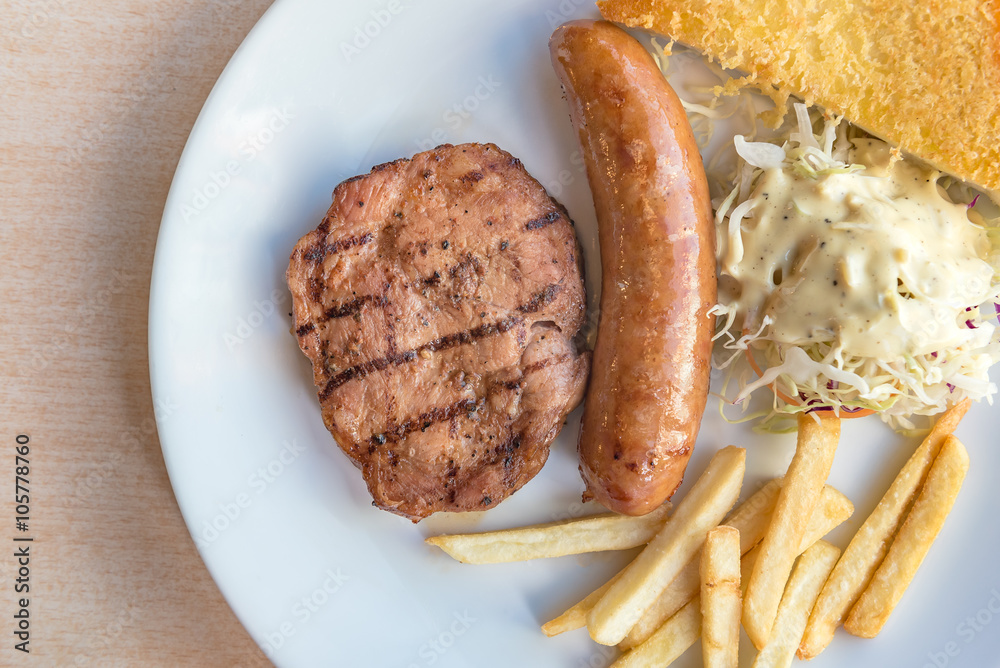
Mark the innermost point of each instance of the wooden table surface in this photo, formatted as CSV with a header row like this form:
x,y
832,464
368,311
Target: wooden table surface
x,y
98,99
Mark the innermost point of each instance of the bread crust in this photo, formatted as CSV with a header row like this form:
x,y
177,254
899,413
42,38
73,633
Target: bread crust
x,y
924,76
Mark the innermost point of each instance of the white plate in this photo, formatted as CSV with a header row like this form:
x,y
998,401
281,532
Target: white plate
x,y
319,577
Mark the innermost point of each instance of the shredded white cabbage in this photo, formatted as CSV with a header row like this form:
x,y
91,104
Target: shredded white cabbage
x,y
823,375
819,374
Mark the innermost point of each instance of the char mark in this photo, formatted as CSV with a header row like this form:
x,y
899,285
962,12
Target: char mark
x,y
319,252
505,453
305,329
540,299
423,421
396,359
544,221
315,290
541,364
354,306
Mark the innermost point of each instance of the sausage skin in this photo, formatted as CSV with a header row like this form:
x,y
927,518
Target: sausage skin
x,y
650,373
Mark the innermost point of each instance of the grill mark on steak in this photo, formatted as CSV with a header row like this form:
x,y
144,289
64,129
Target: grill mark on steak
x,y
505,453
544,221
316,288
431,226
541,364
358,371
354,306
443,343
540,299
422,422
319,252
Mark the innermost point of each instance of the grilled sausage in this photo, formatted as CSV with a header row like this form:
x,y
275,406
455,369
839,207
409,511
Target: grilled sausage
x,y
650,377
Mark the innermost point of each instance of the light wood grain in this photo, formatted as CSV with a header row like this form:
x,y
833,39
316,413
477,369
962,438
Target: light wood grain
x,y
97,101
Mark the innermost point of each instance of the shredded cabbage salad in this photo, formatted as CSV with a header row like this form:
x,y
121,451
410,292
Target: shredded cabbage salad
x,y
816,375
806,376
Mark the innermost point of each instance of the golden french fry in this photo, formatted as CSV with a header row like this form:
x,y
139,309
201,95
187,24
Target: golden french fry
x,y
701,509
868,546
720,598
915,537
576,616
680,631
797,600
750,518
609,531
823,522
668,642
834,509
803,484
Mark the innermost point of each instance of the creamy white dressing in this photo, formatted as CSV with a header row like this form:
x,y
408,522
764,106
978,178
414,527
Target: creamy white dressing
x,y
876,262
893,336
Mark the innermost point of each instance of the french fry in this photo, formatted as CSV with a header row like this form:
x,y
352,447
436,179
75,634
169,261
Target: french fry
x,y
720,598
751,520
668,642
680,631
803,484
701,509
868,546
823,522
798,599
915,537
576,616
599,533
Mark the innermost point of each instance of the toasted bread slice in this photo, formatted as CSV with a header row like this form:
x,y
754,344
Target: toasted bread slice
x,y
922,75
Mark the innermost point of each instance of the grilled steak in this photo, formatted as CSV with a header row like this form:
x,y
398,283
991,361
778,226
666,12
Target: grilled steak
x,y
438,301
